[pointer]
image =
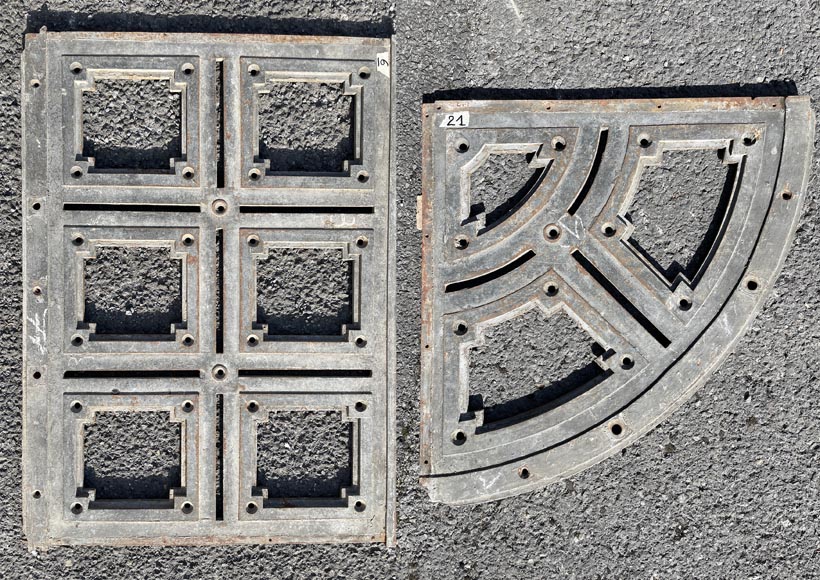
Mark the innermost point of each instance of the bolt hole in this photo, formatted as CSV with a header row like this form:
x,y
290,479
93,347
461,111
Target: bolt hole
x,y
254,70
36,290
644,141
35,83
187,507
78,240
360,406
253,406
461,242
752,285
553,233
76,68
359,506
252,508
219,372
76,341
76,172
364,73
609,230
524,473
559,143
253,340
37,494
460,328
76,407
787,195
36,206
255,174
187,240
187,406
459,438
361,242
76,509
253,241
616,429
462,146
749,140
187,68
361,341
363,176
551,290
685,304
627,362
37,375
188,173
219,207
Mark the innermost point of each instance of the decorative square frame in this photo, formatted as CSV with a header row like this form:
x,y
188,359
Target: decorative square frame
x,y
79,75
80,503
81,244
255,408
259,73
256,243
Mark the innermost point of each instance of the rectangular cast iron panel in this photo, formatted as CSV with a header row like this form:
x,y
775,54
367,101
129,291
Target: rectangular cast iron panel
x,y
618,340
213,212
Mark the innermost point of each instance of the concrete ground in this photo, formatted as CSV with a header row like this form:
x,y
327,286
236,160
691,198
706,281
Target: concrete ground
x,y
727,487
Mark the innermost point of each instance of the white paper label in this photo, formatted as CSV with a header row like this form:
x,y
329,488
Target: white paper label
x,y
456,120
383,63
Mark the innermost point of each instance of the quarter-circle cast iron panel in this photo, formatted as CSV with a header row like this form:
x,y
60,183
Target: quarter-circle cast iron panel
x,y
568,247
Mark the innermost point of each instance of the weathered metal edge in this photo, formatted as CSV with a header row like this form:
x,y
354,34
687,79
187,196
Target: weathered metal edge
x,y
425,209
390,494
213,37
33,177
708,104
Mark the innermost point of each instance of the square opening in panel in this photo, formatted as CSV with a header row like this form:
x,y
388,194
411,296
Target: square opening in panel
x,y
134,290
303,291
307,455
132,124
306,127
304,454
132,455
131,121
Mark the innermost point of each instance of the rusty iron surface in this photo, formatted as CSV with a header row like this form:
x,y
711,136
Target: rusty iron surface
x,y
206,372
566,248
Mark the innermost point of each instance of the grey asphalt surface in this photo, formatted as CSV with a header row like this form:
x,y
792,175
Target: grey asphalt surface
x,y
727,487
133,290
152,133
